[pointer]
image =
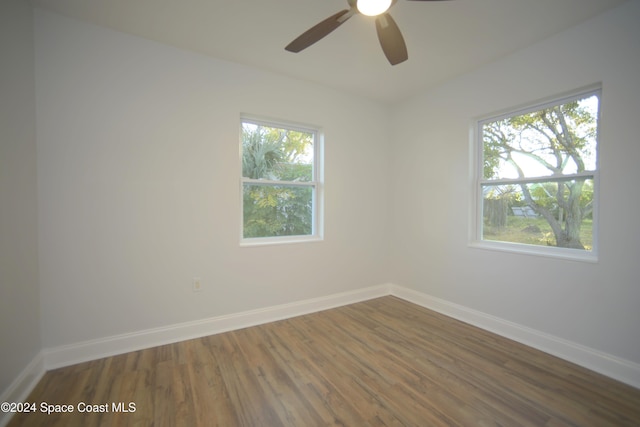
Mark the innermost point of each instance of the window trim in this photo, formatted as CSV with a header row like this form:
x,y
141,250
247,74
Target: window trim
x,y
476,158
316,184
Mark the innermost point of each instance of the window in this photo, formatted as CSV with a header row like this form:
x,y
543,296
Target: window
x,y
280,182
537,178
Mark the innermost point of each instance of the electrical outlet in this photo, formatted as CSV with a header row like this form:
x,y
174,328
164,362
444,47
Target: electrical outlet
x,y
196,284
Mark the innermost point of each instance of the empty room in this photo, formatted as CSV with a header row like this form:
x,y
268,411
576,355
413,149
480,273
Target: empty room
x,y
319,212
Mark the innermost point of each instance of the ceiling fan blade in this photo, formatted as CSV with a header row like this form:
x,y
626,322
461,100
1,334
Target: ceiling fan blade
x,y
319,31
391,39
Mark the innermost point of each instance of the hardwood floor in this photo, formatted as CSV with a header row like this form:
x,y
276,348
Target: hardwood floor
x,y
383,362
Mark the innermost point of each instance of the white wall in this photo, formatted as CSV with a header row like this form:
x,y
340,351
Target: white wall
x,y
595,305
19,300
139,186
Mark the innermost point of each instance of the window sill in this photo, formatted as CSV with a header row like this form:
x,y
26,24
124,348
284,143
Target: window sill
x,y
544,251
285,240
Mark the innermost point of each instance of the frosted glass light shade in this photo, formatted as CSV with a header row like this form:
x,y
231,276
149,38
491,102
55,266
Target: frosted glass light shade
x,y
373,7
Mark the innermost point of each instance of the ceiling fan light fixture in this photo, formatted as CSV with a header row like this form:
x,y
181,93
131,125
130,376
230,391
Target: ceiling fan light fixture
x,y
373,7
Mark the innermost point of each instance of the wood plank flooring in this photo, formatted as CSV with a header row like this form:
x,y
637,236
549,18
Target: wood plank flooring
x,y
383,362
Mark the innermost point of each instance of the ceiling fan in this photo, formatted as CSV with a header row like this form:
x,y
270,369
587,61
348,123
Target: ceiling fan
x,y
389,34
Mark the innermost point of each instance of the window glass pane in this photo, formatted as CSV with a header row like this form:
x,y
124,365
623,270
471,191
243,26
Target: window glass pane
x,y
276,154
277,210
551,213
557,140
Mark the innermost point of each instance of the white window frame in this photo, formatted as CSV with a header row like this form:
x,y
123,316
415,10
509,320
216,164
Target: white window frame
x,y
315,184
476,216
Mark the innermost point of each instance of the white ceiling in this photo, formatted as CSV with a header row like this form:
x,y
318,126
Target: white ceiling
x,y
444,39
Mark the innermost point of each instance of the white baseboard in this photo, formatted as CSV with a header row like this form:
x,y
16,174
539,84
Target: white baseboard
x,y
95,349
20,388
614,367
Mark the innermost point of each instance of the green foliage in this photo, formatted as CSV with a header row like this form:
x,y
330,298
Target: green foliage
x,y
281,155
261,155
277,211
533,231
276,154
491,156
561,139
